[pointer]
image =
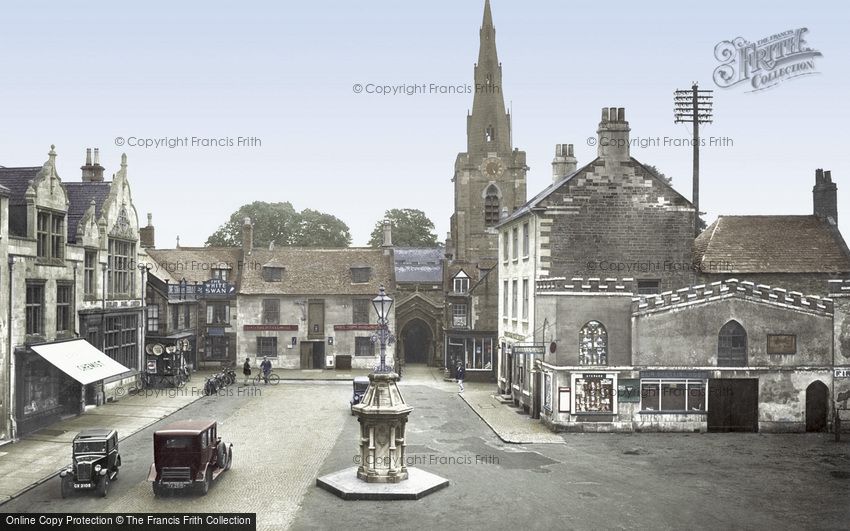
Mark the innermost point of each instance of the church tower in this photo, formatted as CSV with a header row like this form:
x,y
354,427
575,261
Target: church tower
x,y
490,177
489,183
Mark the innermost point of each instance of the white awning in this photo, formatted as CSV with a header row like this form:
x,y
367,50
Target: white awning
x,y
80,360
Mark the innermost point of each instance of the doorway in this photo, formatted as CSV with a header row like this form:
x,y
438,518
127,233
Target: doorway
x,y
417,341
312,355
817,400
733,404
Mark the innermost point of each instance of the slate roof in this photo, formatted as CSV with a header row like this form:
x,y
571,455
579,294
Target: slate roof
x,y
4,191
16,181
195,264
312,271
80,196
771,244
419,264
535,201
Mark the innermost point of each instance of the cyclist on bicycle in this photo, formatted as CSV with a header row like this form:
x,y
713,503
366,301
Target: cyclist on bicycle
x,y
266,367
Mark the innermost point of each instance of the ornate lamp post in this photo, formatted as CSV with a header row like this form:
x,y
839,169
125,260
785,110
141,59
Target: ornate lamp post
x,y
382,304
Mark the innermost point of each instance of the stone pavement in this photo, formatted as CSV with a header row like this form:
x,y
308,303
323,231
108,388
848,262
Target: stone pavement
x,y
511,424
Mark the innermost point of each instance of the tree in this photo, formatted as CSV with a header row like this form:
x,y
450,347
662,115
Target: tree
x,y
282,224
411,228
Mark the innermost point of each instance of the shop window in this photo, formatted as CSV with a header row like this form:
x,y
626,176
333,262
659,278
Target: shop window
x,y
267,347
271,311
732,345
672,395
360,311
491,206
363,346
593,344
120,340
35,308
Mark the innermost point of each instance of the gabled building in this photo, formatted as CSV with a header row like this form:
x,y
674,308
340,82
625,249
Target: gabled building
x,y
420,304
73,253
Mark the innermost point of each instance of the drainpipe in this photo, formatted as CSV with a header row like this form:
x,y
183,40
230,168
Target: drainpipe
x,y
10,364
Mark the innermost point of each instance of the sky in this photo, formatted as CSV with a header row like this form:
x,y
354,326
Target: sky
x,y
81,75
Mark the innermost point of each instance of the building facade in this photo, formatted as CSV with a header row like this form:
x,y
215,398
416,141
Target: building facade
x,y
72,256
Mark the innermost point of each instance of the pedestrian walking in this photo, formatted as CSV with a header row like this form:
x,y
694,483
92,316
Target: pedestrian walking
x,y
460,374
246,370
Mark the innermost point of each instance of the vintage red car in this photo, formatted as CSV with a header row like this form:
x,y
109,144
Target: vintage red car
x,y
188,454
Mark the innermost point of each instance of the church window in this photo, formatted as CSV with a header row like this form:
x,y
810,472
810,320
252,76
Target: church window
x,y
489,134
593,344
491,206
732,345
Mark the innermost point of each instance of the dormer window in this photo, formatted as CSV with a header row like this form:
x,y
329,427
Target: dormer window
x,y
272,274
361,275
460,283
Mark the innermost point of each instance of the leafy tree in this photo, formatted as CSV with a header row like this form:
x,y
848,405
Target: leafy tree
x,y
282,224
411,228
318,229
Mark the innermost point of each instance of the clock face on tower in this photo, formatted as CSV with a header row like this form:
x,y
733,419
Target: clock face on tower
x,y
492,167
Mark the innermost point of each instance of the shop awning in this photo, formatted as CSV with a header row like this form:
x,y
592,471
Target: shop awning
x,y
80,360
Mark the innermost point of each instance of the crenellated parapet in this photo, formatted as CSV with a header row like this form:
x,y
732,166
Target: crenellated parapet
x,y
586,285
732,288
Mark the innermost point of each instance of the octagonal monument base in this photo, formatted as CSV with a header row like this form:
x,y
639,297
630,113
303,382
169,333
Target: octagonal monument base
x,y
348,486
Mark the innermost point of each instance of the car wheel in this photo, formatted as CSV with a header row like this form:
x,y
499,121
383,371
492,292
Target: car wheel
x,y
205,486
229,458
103,486
67,488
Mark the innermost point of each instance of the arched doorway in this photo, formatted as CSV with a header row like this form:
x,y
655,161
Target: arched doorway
x,y
417,341
817,400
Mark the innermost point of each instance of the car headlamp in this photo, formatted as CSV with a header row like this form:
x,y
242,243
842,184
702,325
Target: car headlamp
x,y
97,468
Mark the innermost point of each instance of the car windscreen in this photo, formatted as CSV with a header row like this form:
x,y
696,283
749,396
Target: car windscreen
x,y
89,447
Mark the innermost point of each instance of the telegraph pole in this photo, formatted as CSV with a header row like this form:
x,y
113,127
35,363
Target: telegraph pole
x,y
694,106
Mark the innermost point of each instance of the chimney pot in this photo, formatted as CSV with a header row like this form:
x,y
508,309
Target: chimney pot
x,y
96,156
88,156
247,236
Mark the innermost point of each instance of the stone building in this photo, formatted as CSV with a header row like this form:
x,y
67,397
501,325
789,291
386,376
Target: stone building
x,y
303,308
609,217
420,304
72,253
489,182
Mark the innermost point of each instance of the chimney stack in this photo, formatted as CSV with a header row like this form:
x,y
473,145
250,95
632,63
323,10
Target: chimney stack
x,y
388,234
92,171
146,234
247,236
825,197
613,141
564,162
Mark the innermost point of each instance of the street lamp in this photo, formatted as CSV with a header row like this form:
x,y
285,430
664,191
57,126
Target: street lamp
x,y
382,304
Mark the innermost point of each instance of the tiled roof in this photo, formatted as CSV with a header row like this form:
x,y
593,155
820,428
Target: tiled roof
x,y
16,181
80,196
4,191
419,264
771,244
311,271
195,264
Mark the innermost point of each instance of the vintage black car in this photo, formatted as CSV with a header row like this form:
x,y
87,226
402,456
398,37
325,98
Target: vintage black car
x,y
188,454
94,462
361,384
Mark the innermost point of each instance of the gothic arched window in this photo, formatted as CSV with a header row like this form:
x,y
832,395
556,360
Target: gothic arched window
x,y
491,206
593,344
732,345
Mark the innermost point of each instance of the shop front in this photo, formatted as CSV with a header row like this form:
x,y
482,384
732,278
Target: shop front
x,y
476,352
51,379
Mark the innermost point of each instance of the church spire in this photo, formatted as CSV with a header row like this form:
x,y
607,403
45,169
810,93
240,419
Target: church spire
x,y
488,127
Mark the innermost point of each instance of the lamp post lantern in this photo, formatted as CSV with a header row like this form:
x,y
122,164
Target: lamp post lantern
x,y
382,304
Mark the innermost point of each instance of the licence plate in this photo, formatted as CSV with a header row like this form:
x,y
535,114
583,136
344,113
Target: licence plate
x,y
82,485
